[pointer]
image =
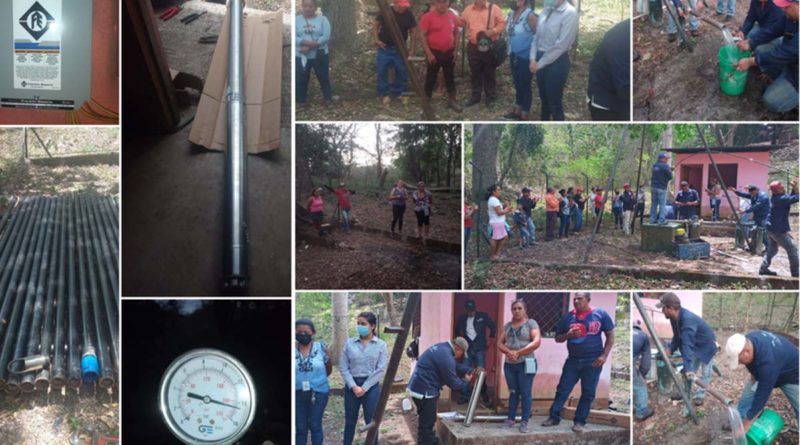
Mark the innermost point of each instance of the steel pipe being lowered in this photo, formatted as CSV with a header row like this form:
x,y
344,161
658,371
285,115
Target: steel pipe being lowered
x,y
473,400
58,297
236,233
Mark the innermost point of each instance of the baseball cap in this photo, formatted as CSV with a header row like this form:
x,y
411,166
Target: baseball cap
x,y
733,347
663,155
775,185
752,187
470,305
684,183
461,342
402,3
783,3
525,189
626,186
668,299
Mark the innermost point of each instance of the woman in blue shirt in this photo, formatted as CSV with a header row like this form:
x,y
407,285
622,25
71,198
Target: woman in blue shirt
x,y
362,364
521,27
312,368
312,33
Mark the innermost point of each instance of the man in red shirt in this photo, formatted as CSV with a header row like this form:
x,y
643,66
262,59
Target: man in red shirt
x,y
598,206
343,195
439,31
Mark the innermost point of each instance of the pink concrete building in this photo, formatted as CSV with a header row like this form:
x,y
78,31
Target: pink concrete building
x,y
736,166
691,300
440,310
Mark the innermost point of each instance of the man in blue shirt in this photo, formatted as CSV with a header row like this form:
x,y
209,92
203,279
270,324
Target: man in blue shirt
x,y
760,25
436,368
778,230
472,326
694,338
687,200
772,362
659,182
641,364
759,207
581,329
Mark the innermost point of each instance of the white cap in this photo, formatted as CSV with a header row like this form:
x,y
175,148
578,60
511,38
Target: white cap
x,y
733,347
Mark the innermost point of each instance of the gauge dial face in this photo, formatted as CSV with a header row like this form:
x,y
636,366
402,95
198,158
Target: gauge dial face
x,y
207,397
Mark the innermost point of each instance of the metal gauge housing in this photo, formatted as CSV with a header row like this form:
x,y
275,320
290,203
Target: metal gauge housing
x,y
207,397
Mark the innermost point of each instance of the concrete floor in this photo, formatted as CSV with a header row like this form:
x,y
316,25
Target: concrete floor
x,y
172,206
495,433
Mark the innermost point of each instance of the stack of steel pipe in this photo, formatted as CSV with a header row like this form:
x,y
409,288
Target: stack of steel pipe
x,y
59,287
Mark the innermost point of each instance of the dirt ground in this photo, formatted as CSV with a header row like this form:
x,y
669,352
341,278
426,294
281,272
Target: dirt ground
x,y
354,82
35,419
668,426
672,84
611,247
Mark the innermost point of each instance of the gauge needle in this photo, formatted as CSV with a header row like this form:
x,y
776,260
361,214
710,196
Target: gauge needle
x,y
207,399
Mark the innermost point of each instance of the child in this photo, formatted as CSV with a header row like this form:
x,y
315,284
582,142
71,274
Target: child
x,y
521,221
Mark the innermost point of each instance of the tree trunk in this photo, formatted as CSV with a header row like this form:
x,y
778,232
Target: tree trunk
x,y
304,177
484,157
342,15
387,298
340,321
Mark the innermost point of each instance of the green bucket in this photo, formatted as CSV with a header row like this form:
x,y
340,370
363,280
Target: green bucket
x,y
765,429
731,82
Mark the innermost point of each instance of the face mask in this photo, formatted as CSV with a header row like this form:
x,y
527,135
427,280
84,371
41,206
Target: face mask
x,y
363,331
303,338
512,5
549,3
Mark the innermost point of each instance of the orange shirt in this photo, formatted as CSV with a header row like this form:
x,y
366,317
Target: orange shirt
x,y
551,202
475,20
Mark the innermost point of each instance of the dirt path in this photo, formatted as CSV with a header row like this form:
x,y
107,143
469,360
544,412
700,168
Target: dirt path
x,y
678,85
354,82
668,426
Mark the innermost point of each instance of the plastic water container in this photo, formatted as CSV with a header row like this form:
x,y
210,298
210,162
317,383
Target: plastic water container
x,y
765,429
731,82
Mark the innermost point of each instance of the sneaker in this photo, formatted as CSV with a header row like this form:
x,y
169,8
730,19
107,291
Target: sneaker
x,y
523,427
672,37
728,18
695,33
718,13
472,101
550,422
698,402
509,423
578,428
767,272
645,416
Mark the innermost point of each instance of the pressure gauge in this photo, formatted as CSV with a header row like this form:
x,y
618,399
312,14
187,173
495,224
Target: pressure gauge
x,y
207,397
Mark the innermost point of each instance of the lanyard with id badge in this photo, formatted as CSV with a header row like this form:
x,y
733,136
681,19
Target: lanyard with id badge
x,y
305,366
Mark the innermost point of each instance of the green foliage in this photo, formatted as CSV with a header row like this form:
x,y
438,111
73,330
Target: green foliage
x,y
429,153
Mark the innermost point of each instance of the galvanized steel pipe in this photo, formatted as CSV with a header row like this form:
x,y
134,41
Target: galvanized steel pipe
x,y
473,400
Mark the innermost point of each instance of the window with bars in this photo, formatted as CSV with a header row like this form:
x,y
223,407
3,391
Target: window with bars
x,y
546,308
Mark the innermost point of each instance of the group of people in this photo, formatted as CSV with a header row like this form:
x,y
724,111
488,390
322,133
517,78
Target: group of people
x,y
421,198
770,359
770,213
535,43
454,363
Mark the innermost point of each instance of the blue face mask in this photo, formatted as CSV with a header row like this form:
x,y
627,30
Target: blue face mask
x,y
549,3
363,331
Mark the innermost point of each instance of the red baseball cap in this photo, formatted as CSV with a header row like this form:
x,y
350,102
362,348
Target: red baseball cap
x,y
402,3
783,3
626,186
775,185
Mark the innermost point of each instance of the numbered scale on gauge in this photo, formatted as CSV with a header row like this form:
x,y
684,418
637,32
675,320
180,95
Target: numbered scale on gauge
x,y
207,397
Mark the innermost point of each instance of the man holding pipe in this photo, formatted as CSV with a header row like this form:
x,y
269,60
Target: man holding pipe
x,y
472,325
641,362
759,207
581,329
772,362
694,338
778,230
436,368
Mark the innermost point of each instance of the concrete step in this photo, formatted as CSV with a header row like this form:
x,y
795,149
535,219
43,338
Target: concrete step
x,y
494,433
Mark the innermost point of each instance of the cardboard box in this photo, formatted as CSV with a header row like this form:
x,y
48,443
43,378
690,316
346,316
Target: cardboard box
x,y
263,47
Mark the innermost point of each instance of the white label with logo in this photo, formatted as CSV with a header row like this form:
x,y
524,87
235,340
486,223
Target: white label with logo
x,y
37,44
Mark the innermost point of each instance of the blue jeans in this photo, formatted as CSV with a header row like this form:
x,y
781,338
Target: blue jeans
x,y
715,204
703,371
467,233
576,369
520,388
781,96
763,225
731,7
748,394
780,240
391,57
693,22
352,404
303,76
522,76
551,81
658,205
563,229
525,235
476,359
346,219
308,416
639,394
577,218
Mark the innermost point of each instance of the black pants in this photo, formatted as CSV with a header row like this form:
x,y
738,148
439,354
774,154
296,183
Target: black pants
x,y
599,114
639,213
426,410
550,226
397,216
447,62
482,72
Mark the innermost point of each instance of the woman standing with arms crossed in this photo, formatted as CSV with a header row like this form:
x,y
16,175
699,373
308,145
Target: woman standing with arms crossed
x,y
555,34
362,364
519,338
